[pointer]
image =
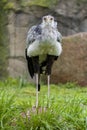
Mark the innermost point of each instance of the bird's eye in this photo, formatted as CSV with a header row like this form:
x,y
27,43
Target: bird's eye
x,y
51,19
45,19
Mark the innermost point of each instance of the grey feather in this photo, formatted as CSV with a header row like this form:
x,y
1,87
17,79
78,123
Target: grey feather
x,y
44,38
33,33
59,37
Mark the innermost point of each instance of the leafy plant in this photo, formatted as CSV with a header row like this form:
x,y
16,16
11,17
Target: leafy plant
x,y
67,111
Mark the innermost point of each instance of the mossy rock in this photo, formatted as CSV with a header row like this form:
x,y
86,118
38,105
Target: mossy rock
x,y
16,4
11,4
44,3
3,43
81,1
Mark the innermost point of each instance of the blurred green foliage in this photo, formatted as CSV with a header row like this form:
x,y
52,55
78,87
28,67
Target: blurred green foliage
x,y
67,110
43,3
11,4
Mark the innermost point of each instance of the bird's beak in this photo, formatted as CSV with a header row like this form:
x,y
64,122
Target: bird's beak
x,y
48,22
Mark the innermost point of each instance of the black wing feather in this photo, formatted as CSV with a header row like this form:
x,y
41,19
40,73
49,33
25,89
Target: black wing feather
x,y
29,64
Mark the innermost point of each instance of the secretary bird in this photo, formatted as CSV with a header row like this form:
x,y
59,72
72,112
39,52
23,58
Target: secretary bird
x,y
42,49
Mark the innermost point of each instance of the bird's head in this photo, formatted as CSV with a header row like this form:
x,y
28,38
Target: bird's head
x,y
48,21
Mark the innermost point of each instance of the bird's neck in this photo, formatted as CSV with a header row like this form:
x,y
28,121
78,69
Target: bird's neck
x,y
47,29
49,34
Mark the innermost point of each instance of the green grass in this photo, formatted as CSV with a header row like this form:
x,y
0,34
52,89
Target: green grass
x,y
67,111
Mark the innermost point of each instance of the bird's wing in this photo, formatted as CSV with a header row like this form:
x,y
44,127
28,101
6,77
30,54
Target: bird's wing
x,y
59,37
33,33
29,40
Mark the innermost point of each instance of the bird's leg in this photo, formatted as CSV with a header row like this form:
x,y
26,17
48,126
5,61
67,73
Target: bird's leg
x,y
48,83
36,78
39,82
50,60
36,71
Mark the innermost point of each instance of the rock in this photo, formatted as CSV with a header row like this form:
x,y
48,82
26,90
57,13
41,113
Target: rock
x,y
3,43
71,15
18,68
72,64
83,25
71,18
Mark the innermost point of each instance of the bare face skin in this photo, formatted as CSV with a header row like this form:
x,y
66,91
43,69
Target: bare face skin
x,y
48,21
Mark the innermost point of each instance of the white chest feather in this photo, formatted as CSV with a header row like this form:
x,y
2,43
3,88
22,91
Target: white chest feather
x,y
46,44
49,34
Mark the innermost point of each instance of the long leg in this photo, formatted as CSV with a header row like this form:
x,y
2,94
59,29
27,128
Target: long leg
x,y
36,78
36,71
39,82
48,83
50,60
